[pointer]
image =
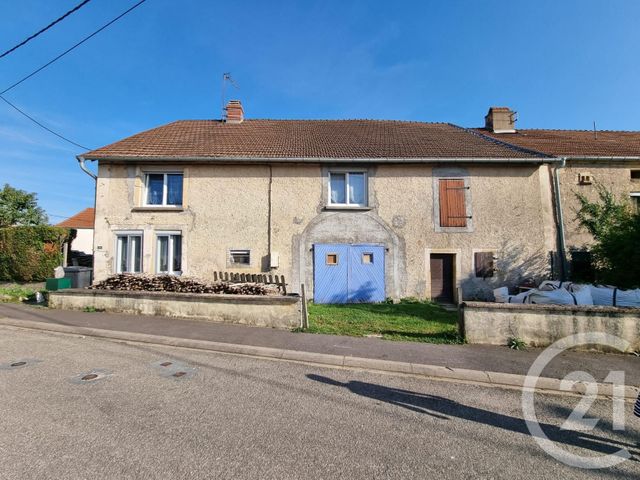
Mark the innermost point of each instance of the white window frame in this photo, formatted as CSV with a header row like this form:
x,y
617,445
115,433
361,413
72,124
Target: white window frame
x,y
635,200
346,173
170,251
164,189
240,265
128,234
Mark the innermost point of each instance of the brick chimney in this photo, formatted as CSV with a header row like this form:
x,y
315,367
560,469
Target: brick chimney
x,y
500,120
235,112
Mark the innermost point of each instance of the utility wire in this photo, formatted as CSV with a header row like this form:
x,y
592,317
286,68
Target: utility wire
x,y
71,48
41,125
25,114
74,9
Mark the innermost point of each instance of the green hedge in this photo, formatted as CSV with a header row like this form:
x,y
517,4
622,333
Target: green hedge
x,y
29,254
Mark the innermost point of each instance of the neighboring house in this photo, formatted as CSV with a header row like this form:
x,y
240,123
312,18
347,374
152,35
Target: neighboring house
x,y
607,158
354,209
82,222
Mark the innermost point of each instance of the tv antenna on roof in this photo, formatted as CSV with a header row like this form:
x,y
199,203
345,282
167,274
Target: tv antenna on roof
x,y
595,131
226,78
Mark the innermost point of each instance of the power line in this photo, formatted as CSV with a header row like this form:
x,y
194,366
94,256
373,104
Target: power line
x,y
41,125
28,39
71,48
25,114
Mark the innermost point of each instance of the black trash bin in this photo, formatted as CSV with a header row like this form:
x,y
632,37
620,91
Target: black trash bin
x,y
80,276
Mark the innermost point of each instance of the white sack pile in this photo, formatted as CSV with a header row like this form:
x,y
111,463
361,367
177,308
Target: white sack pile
x,y
552,292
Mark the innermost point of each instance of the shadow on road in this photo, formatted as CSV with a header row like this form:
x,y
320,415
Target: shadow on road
x,y
446,409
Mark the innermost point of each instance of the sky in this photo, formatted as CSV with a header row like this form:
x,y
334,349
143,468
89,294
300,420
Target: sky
x,y
560,64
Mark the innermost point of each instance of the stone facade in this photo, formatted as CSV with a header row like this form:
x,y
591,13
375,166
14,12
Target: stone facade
x,y
611,174
283,209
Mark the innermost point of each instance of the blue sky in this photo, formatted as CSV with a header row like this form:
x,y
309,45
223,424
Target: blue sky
x,y
560,64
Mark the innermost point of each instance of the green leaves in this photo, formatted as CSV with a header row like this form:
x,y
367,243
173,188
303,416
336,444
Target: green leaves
x,y
616,231
18,207
30,253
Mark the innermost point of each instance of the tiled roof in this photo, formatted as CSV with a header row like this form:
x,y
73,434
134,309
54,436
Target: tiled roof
x,y
298,139
84,219
574,143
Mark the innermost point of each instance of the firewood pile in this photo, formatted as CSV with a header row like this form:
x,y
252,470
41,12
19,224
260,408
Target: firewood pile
x,y
171,283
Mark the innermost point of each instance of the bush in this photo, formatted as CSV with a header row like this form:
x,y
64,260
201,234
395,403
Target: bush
x,y
616,231
30,254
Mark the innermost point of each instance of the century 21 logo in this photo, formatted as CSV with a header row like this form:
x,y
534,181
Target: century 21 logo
x,y
577,420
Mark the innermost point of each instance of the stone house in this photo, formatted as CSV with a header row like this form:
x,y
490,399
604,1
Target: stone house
x,y
588,158
357,210
82,222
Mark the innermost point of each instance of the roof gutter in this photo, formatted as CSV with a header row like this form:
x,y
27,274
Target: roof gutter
x,y
84,168
613,159
180,159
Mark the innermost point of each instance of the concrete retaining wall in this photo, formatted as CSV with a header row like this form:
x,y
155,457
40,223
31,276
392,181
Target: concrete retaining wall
x,y
541,325
262,311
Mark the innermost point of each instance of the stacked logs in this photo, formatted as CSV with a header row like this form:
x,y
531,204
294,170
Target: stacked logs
x,y
171,283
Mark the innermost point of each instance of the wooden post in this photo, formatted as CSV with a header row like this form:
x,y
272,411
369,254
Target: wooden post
x,y
305,312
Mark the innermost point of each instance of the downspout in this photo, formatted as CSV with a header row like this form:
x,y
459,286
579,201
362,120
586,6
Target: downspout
x,y
84,168
560,219
269,213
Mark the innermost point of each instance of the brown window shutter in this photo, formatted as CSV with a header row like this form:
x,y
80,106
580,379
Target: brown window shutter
x,y
453,211
484,264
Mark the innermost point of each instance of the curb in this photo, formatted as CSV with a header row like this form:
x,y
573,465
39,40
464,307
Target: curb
x,y
428,371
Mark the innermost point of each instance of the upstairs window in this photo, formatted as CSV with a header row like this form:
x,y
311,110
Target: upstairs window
x,y
163,189
169,253
129,252
348,188
453,208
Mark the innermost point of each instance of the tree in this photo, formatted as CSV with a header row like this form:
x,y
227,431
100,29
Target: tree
x,y
18,207
616,232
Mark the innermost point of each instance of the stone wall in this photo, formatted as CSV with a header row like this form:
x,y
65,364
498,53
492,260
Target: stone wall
x,y
227,207
541,325
263,311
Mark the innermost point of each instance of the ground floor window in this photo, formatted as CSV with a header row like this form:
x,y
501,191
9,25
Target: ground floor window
x,y
169,253
635,201
240,257
129,252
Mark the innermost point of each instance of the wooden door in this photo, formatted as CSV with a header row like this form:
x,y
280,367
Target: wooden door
x,y
442,277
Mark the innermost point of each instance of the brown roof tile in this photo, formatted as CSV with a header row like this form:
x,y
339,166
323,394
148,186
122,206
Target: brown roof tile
x,y
83,219
322,139
574,143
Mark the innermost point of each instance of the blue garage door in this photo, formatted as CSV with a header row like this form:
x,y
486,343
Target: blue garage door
x,y
348,273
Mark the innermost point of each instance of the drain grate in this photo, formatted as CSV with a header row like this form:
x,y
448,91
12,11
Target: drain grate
x,y
92,376
174,369
19,363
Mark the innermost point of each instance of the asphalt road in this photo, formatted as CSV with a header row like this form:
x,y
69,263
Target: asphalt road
x,y
226,416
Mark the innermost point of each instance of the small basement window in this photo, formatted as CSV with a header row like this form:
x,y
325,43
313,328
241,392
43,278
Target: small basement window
x,y
635,175
240,257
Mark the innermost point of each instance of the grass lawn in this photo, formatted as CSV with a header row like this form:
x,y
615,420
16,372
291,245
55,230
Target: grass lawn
x,y
15,293
415,322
